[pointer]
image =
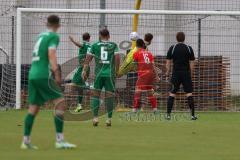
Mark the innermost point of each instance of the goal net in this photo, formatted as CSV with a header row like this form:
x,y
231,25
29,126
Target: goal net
x,y
214,36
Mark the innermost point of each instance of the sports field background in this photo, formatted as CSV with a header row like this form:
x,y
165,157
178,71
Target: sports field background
x,y
215,136
219,37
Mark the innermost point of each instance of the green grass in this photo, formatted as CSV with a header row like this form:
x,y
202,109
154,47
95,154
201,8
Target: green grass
x,y
215,136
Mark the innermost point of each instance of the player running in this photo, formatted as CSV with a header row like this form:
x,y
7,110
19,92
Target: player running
x,y
42,88
77,77
107,64
183,58
147,75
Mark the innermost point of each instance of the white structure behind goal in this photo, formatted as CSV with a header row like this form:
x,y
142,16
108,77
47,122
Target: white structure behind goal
x,y
211,33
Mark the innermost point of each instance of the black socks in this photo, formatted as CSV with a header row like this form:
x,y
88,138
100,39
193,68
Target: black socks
x,y
170,103
190,101
191,105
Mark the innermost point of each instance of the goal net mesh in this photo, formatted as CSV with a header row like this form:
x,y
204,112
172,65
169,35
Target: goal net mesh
x,y
215,40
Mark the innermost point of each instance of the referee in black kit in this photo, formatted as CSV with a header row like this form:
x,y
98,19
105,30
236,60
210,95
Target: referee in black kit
x,y
183,58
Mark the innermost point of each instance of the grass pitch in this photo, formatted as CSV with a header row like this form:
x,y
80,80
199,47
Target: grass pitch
x,y
215,136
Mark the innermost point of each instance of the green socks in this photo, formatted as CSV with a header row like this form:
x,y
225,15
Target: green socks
x,y
80,98
110,102
95,102
58,120
28,123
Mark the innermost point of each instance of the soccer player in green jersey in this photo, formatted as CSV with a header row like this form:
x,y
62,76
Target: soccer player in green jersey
x,y
42,87
77,77
107,64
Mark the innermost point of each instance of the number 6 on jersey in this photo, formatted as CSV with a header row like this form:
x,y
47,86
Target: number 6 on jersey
x,y
104,55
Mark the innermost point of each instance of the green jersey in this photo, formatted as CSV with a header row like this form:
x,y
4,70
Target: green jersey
x,y
104,53
77,76
40,68
83,51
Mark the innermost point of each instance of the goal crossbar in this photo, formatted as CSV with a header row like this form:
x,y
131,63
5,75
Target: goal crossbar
x,y
103,11
93,11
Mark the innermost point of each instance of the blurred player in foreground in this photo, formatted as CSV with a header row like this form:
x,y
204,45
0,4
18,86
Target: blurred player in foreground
x,y
77,77
128,64
42,88
183,58
107,62
147,75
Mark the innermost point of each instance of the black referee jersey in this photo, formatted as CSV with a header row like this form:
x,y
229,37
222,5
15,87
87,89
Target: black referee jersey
x,y
181,54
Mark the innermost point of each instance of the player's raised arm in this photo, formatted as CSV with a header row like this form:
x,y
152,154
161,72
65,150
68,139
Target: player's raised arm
x,y
85,38
127,64
75,42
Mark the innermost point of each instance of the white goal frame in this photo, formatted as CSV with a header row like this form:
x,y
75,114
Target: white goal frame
x,y
92,11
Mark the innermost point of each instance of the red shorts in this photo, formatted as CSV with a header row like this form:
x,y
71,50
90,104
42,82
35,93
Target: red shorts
x,y
145,83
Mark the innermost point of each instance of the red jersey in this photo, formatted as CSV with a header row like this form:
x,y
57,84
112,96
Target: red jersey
x,y
145,62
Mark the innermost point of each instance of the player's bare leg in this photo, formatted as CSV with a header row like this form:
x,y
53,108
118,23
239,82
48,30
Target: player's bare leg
x,y
28,124
153,100
60,107
191,105
95,103
136,102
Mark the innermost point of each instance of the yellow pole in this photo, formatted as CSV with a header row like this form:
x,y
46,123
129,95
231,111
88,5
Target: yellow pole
x,y
135,19
127,64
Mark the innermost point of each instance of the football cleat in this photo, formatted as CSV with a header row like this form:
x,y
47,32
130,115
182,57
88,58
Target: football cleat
x,y
95,122
155,111
168,117
79,108
28,146
108,123
194,118
135,110
64,145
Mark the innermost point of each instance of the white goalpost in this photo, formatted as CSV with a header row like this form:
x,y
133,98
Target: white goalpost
x,y
163,24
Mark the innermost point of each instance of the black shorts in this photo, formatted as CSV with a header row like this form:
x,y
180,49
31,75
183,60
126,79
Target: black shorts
x,y
184,78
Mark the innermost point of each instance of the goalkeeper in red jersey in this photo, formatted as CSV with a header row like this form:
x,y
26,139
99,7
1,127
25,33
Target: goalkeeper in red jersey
x,y
147,75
